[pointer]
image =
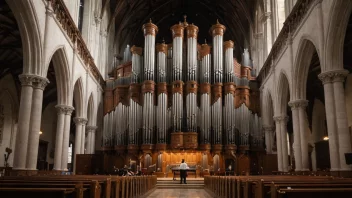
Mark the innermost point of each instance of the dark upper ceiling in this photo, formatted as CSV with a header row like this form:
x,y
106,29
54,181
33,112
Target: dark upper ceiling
x,y
130,15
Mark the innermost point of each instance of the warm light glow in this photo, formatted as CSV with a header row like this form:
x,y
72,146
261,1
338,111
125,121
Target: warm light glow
x,y
40,132
326,138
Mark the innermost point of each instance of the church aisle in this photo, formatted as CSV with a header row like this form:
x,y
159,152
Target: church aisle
x,y
179,193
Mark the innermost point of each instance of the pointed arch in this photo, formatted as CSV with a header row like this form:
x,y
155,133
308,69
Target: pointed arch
x,y
336,30
283,93
304,56
78,96
268,108
27,21
62,75
91,110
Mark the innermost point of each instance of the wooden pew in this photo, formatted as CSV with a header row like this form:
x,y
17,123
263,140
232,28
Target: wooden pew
x,y
11,192
260,186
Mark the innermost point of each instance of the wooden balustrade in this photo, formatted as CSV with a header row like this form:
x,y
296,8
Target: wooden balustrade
x,y
94,186
277,186
64,18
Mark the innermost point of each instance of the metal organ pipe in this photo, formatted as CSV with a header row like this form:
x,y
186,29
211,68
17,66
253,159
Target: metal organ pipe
x,y
134,109
150,30
229,109
192,86
162,94
217,32
177,83
205,113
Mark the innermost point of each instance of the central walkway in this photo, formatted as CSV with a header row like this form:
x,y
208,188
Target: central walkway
x,y
178,193
168,188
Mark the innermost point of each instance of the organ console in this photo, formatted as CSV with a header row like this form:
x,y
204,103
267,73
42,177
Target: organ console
x,y
184,100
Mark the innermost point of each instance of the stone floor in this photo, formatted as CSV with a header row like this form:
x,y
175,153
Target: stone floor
x,y
179,193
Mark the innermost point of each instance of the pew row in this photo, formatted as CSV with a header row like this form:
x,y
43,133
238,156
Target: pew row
x,y
277,186
93,186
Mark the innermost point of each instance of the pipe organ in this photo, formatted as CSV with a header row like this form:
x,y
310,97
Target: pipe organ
x,y
183,97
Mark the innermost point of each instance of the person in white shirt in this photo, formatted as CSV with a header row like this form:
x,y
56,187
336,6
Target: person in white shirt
x,y
183,171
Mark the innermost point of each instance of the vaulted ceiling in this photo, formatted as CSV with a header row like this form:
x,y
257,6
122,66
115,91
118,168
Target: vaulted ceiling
x,y
130,15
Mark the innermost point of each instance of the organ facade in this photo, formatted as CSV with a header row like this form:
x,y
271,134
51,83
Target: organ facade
x,y
183,100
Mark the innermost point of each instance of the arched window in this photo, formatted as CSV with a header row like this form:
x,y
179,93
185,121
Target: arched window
x,y
80,15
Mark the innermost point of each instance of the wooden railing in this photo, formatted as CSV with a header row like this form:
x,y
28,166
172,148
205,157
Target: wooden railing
x,y
63,16
295,18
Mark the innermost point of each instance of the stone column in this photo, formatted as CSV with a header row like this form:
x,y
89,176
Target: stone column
x,y
83,140
66,136
327,79
297,148
19,162
279,143
268,131
59,135
91,139
303,125
78,138
39,83
344,137
283,125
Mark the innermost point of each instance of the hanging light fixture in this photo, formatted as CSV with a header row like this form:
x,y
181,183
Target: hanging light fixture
x,y
326,138
40,132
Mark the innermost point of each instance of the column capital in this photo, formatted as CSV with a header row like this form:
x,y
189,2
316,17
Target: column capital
x,y
40,82
79,120
91,128
333,76
282,118
64,109
296,104
31,79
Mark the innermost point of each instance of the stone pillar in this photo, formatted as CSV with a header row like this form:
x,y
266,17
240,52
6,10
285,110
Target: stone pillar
x,y
83,141
78,138
59,135
269,131
339,138
19,162
279,143
283,125
91,140
303,125
300,145
39,83
66,136
344,137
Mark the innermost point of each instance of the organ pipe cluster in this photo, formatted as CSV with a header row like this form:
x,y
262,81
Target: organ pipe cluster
x,y
185,87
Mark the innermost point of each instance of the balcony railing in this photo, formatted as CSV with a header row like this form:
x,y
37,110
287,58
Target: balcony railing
x,y
63,16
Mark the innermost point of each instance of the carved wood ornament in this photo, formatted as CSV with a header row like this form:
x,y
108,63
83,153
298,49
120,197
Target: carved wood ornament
x,y
216,92
177,87
191,87
150,28
177,30
192,31
204,88
217,29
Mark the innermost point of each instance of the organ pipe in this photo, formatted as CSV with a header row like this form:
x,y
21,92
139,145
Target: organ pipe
x,y
162,94
191,84
150,30
229,92
177,83
217,32
182,87
205,122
